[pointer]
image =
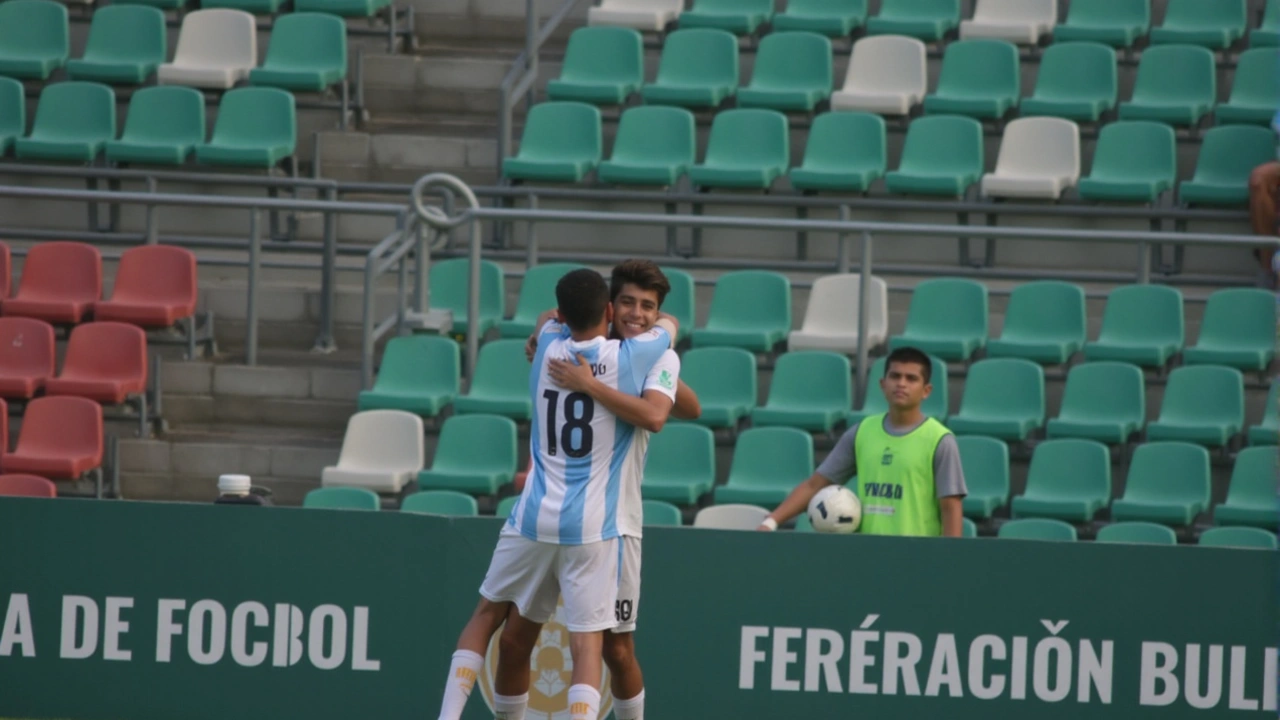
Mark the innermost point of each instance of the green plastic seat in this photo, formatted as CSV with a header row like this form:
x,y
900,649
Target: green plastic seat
x,y
254,7
1118,23
1133,161
1268,431
342,8
681,465
419,374
748,148
1077,81
1202,404
126,44
562,142
1239,537
602,66
1044,323
256,127
742,17
441,502
985,461
1068,480
1255,92
1214,24
13,113
767,465
501,384
74,120
657,512
1142,325
679,302
342,498
979,78
942,155
164,125
1228,154
1238,330
792,73
1136,532
1003,398
475,454
928,20
935,406
947,318
1251,495
698,69
537,295
968,528
655,145
34,38
725,380
1176,84
833,18
751,309
1103,401
1268,33
505,506
308,53
811,390
449,282
1037,529
845,152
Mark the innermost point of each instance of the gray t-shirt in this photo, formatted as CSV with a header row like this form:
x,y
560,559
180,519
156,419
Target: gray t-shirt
x,y
948,475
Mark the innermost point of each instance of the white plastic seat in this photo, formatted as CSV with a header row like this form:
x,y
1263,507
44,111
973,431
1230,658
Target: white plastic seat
x,y
1022,22
1039,158
888,75
216,49
651,15
382,451
730,517
831,318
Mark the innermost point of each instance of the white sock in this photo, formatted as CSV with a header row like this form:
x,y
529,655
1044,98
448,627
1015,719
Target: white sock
x,y
584,702
457,688
632,709
509,707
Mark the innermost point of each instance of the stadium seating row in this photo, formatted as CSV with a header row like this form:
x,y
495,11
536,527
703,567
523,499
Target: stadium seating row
x,y
342,8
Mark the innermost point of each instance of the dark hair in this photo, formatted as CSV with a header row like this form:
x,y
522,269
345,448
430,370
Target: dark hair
x,y
910,355
644,274
581,296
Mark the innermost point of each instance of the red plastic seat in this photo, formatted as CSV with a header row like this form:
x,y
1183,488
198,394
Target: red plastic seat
x,y
27,486
155,287
6,269
105,361
60,283
61,438
26,356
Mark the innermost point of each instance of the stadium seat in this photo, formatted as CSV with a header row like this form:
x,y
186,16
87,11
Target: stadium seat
x,y
562,142
810,390
831,317
256,127
935,406
1068,480
441,502
681,465
60,283
1168,483
698,69
126,44
501,382
792,72
654,145
647,15
27,355
1142,325
742,17
342,498
73,121
343,8
985,462
1118,23
679,302
34,38
833,18
449,281
155,286
1251,495
1003,398
216,49
256,7
419,374
1076,81
307,53
730,517
1136,532
475,454
163,127
179,5
1023,22
1255,91
1039,159
1133,161
1265,433
845,152
887,74
602,66
1228,154
725,380
1103,401
1239,537
1045,322
13,113
1202,404
657,512
942,155
928,20
1238,330
382,451
1214,24
947,317
505,506
537,295
750,309
1268,33
105,362
27,486
61,438
767,465
968,528
748,148
1037,529
1175,84
979,78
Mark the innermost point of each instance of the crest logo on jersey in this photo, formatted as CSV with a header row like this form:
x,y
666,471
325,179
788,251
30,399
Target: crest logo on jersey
x,y
665,379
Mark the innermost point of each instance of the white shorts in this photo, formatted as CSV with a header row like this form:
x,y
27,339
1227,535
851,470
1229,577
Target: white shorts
x,y
534,575
628,605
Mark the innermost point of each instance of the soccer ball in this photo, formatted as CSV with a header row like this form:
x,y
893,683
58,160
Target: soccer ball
x,y
835,509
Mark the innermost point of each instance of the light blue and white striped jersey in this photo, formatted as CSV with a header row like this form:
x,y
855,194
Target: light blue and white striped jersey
x,y
587,464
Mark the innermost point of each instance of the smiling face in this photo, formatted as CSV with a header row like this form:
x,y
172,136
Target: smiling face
x,y
904,385
634,311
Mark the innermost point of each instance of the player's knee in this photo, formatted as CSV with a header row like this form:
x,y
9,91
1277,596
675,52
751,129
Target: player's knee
x,y
513,646
619,651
